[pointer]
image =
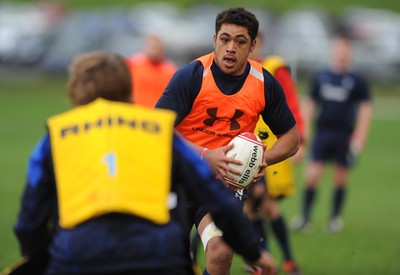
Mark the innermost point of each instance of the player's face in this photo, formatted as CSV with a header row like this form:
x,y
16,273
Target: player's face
x,y
341,55
232,46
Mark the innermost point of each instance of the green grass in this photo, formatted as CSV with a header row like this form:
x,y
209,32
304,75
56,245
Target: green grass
x,y
368,245
334,7
25,104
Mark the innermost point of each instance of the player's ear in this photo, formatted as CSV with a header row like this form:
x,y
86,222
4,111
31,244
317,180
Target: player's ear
x,y
215,39
253,45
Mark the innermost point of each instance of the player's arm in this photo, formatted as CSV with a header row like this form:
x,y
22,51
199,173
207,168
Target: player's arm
x,y
182,90
38,202
364,115
309,111
363,121
217,159
280,119
310,106
289,87
285,147
197,177
36,217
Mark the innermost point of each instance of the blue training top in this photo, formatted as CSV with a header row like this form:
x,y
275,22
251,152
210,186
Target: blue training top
x,y
338,95
117,242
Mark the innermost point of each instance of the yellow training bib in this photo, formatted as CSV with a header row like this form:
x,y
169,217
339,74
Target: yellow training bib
x,y
280,176
272,63
112,157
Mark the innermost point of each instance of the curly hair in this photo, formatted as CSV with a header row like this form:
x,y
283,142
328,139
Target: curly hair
x,y
99,74
238,16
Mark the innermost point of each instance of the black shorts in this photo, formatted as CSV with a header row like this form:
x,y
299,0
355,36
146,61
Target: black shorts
x,y
331,145
196,213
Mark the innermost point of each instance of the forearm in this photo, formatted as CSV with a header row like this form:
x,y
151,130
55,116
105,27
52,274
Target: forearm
x,y
196,147
363,122
238,233
37,215
309,110
286,146
36,219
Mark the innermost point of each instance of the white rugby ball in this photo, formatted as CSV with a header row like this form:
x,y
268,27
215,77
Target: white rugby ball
x,y
247,148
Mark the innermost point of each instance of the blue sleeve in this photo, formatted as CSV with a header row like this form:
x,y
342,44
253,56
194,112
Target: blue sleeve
x,y
276,114
314,87
182,90
362,89
215,198
38,205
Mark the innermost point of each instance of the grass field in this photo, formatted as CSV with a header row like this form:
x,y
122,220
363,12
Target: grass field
x,y
334,7
368,245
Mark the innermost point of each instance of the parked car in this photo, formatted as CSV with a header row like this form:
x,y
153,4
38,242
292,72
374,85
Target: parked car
x,y
303,39
84,31
186,33
25,31
376,38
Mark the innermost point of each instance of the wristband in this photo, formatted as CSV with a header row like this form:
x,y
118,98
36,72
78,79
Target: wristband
x,y
203,152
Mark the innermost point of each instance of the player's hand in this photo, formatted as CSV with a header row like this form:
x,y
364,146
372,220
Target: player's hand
x,y
261,172
356,143
263,165
266,262
219,161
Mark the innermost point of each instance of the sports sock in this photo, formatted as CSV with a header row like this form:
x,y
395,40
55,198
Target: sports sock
x,y
309,197
338,200
279,228
259,228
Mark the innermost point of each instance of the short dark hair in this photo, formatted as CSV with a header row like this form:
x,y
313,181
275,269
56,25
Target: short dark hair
x,y
238,16
341,31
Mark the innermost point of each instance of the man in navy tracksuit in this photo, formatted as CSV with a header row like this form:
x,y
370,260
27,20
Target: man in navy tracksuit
x,y
343,100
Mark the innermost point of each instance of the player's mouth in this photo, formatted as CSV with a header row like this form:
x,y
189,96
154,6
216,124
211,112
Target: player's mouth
x,y
229,61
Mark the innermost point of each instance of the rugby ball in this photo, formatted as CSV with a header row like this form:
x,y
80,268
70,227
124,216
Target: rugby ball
x,y
247,148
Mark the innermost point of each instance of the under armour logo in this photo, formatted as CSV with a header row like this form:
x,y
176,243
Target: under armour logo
x,y
239,194
212,112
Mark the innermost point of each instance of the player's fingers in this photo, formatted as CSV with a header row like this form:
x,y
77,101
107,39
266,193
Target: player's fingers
x,y
272,271
232,160
228,172
258,177
225,168
226,175
263,165
228,147
261,172
269,271
233,171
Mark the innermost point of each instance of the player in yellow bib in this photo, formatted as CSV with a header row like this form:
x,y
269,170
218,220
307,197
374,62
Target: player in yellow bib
x,y
279,181
107,186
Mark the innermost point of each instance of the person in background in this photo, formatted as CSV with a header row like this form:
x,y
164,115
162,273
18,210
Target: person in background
x,y
217,97
151,71
107,186
279,181
340,105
